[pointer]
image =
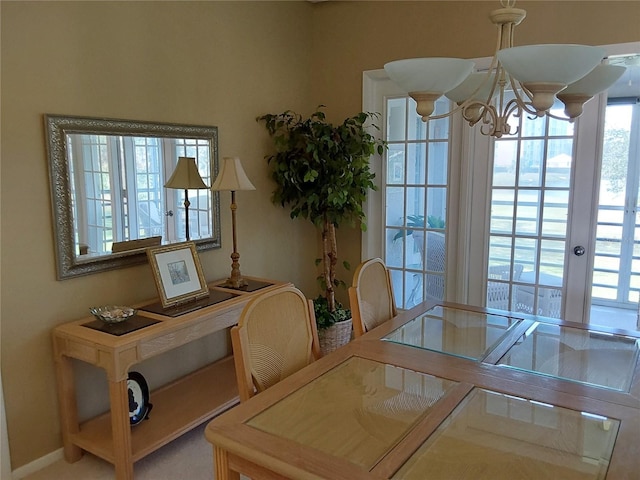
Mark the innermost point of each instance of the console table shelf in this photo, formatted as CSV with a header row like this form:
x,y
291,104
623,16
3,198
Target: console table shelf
x,y
177,407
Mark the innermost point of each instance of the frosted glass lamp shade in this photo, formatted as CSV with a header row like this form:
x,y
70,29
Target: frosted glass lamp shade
x,y
545,70
471,87
554,63
186,175
426,79
476,88
232,177
596,81
429,74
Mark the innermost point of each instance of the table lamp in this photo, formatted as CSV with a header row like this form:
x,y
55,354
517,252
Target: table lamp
x,y
186,177
232,178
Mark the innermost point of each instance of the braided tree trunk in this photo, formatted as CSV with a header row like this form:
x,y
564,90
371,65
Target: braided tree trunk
x,y
329,261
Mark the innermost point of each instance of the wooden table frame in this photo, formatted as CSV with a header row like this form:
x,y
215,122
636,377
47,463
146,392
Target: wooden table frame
x,y
177,407
239,448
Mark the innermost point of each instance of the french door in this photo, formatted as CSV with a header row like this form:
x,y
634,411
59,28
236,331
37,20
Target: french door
x,y
521,214
529,213
560,230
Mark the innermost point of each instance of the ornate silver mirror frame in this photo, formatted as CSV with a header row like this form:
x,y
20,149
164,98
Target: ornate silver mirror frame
x,y
59,129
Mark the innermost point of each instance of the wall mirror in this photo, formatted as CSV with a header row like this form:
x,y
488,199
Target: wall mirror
x,y
107,190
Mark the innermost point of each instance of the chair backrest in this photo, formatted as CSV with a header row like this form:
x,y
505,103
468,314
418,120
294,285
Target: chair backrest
x,y
276,336
498,292
435,262
371,296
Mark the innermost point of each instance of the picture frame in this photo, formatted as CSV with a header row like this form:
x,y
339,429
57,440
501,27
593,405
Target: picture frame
x,y
177,272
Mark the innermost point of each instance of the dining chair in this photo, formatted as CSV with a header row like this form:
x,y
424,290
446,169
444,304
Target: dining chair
x,y
498,292
276,336
371,296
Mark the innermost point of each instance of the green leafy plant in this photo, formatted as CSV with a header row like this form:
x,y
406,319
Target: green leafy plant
x,y
322,173
326,318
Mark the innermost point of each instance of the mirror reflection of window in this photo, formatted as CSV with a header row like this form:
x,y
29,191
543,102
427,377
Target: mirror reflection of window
x,y
107,181
121,178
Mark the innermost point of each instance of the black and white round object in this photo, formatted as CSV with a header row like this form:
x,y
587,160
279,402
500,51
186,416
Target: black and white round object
x,y
138,392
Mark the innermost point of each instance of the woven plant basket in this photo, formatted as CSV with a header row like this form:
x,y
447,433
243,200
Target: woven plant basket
x,y
335,336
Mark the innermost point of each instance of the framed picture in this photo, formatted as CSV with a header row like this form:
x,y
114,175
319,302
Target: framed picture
x,y
177,273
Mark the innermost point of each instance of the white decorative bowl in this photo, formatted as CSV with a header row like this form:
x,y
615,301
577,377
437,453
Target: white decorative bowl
x,y
113,313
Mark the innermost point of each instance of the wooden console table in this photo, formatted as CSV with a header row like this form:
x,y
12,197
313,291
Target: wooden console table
x,y
177,407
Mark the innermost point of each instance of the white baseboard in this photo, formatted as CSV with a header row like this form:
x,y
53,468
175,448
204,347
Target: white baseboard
x,y
5,457
37,464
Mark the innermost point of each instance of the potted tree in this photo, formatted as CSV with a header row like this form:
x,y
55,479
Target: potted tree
x,y
322,174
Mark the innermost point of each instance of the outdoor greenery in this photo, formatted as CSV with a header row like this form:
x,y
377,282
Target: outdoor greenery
x,y
322,174
615,158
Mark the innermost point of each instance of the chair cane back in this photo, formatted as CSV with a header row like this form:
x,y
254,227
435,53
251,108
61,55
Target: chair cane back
x,y
371,296
276,336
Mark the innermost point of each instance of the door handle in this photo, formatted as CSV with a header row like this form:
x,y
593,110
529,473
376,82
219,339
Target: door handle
x,y
578,251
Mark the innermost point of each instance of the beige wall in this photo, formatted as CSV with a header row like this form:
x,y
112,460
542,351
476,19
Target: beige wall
x,y
212,63
352,37
208,63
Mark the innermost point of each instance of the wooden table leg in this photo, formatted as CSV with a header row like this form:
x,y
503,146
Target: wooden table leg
x,y
68,407
221,466
121,430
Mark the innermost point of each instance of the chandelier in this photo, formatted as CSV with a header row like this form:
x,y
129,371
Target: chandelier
x,y
525,79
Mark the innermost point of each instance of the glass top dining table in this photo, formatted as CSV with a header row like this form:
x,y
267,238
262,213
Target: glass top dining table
x,y
417,399
455,331
583,355
361,409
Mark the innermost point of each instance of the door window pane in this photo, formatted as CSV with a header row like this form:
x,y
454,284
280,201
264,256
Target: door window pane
x,y
554,213
395,164
531,162
527,218
416,164
502,211
438,162
505,160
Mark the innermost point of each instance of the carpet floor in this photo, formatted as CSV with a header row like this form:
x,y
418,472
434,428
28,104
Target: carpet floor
x,y
189,457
